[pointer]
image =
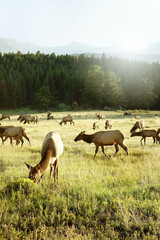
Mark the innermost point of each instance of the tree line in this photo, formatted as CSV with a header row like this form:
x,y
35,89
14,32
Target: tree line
x,y
50,81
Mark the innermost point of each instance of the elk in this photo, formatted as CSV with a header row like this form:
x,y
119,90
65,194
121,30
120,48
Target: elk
x,y
67,119
138,124
144,134
28,119
51,151
95,125
2,130
104,138
137,116
4,116
127,114
16,133
108,123
99,116
22,117
49,116
158,136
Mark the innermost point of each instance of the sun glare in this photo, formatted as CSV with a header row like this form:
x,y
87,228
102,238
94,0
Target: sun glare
x,y
131,44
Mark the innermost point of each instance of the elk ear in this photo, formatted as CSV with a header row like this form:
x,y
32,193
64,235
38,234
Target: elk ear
x,y
83,132
38,167
28,166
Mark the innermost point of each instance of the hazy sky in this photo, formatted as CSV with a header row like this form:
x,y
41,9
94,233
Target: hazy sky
x,y
134,23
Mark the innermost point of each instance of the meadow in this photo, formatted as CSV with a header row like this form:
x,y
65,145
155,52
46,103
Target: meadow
x,y
102,198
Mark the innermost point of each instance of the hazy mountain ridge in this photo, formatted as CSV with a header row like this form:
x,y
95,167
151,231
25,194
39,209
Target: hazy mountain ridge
x,y
150,54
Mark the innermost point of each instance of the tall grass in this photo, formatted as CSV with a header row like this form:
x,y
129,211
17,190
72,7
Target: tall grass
x,y
102,198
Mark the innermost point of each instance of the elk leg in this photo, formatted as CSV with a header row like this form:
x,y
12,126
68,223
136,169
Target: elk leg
x,y
55,171
17,141
22,141
96,151
51,170
103,150
11,142
117,149
144,141
4,139
124,147
141,141
154,139
27,139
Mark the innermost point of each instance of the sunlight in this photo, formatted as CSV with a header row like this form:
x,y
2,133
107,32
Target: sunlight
x,y
131,43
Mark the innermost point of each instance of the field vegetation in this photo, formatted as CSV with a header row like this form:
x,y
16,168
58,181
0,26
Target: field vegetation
x,y
102,198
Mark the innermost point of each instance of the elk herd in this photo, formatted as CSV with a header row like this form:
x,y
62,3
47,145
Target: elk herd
x,y
52,147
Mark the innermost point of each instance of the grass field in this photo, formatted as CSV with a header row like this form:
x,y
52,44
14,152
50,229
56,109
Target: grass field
x,y
102,198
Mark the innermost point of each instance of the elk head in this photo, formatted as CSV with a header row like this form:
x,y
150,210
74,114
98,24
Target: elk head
x,y
79,137
35,173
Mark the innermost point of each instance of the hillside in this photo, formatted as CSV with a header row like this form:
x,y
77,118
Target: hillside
x,y
150,54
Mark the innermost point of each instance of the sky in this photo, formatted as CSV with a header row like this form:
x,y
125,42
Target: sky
x,y
132,23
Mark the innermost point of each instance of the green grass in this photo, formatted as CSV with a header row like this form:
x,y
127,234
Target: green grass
x,y
102,198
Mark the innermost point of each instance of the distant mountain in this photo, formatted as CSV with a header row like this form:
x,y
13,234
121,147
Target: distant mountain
x,y
150,54
9,45
154,48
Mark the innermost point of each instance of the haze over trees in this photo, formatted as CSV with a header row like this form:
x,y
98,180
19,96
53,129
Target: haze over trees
x,y
44,81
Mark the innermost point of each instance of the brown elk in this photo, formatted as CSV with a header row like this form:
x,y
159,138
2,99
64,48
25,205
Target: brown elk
x,y
108,123
50,116
22,117
16,133
67,119
136,116
104,138
52,148
138,124
28,119
95,125
2,130
144,134
99,116
127,114
4,116
158,136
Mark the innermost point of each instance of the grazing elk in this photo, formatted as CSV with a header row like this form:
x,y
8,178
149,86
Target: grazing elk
x,y
144,134
108,123
52,148
99,116
127,114
16,133
95,125
137,116
67,119
104,138
49,117
138,124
